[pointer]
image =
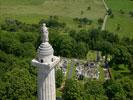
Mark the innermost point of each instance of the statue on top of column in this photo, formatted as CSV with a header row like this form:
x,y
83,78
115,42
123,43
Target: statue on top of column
x,y
44,33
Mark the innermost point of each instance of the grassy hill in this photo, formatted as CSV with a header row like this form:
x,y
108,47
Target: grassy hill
x,y
31,11
125,21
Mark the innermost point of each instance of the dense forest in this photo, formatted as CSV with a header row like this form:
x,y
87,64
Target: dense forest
x,y
18,45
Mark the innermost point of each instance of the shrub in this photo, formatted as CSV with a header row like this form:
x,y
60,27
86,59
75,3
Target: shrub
x,y
109,12
88,8
131,13
121,11
100,21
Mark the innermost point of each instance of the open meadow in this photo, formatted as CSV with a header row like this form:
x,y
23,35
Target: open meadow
x,y
122,22
32,11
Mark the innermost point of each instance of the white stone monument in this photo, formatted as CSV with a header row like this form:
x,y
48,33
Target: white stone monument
x,y
46,63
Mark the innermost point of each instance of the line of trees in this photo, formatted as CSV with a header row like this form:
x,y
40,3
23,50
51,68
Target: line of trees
x,y
120,89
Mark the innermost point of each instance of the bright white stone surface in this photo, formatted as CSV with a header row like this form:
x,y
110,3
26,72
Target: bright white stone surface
x,y
46,63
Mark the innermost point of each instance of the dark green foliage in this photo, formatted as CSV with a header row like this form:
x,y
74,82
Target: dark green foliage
x,y
59,77
118,27
100,21
121,11
80,50
83,21
127,85
90,90
18,44
110,37
131,13
109,12
18,85
52,22
72,90
27,37
121,89
11,46
114,90
121,55
126,40
17,76
88,8
66,45
94,91
112,16
63,45
12,25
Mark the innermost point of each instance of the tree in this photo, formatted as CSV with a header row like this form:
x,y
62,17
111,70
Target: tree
x,y
114,90
28,37
94,90
80,50
121,55
100,21
127,85
130,65
12,25
72,90
65,44
29,50
82,35
110,37
52,22
18,85
106,48
109,12
59,77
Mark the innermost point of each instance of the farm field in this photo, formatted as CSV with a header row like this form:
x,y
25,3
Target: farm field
x,y
122,20
31,11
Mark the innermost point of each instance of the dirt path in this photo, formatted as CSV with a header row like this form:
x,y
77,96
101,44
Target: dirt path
x,y
106,16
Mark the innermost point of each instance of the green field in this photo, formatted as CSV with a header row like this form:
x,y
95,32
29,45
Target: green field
x,y
31,11
125,21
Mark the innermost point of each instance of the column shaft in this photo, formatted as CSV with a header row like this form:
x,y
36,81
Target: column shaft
x,y
46,85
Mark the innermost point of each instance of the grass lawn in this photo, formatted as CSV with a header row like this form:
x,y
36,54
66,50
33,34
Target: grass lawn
x,y
31,11
101,75
91,55
67,71
74,72
125,21
58,92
